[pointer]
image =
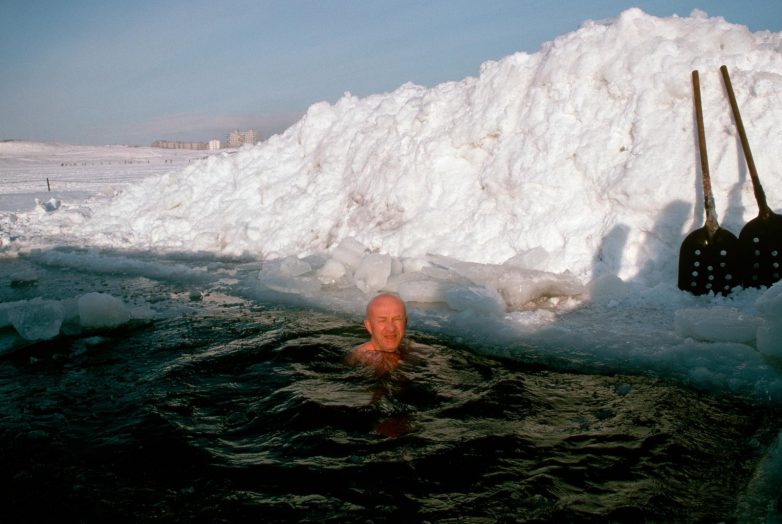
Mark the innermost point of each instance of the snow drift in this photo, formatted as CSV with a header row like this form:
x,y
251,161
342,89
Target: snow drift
x,y
584,151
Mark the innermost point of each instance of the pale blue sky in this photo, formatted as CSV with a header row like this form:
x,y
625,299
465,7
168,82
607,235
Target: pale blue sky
x,y
121,72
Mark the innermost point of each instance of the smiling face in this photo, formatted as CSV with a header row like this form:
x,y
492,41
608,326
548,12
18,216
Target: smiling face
x,y
386,322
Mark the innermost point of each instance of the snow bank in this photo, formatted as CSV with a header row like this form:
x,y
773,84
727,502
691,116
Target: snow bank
x,y
584,152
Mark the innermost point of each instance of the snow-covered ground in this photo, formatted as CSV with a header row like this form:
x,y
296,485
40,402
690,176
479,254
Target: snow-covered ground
x,y
534,211
31,170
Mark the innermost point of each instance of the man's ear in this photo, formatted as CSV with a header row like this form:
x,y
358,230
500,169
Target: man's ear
x,y
368,325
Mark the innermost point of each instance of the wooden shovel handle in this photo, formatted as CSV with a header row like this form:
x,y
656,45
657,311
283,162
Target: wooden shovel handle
x,y
760,195
708,197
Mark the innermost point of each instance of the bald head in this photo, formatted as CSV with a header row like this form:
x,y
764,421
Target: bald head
x,y
386,299
386,322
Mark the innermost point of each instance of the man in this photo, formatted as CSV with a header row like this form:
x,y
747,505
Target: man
x,y
386,320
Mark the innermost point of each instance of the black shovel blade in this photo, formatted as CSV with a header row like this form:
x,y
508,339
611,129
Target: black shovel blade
x,y
760,244
709,265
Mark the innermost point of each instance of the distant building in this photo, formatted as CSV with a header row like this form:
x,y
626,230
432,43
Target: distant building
x,y
235,139
239,138
176,144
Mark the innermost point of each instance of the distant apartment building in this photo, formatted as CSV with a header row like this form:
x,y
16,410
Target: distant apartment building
x,y
176,144
239,138
235,139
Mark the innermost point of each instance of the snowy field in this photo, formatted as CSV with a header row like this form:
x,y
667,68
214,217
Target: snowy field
x,y
75,174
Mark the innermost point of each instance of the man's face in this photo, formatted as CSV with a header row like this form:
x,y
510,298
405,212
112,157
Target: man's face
x,y
386,322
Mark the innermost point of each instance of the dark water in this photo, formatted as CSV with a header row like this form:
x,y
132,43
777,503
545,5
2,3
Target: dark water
x,y
239,412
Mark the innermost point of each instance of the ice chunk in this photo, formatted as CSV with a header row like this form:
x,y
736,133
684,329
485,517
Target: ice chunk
x,y
769,338
535,258
5,313
517,286
289,276
716,324
397,267
373,272
285,284
607,288
71,324
520,287
142,312
24,278
414,264
535,318
331,271
100,310
350,252
423,290
474,298
37,319
770,303
292,266
50,205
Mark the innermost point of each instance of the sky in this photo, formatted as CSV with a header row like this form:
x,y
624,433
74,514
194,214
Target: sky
x,y
117,72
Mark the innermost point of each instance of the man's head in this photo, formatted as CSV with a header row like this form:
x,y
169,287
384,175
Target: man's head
x,y
386,322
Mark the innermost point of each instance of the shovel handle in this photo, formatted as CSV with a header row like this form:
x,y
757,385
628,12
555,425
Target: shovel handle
x,y
708,197
760,195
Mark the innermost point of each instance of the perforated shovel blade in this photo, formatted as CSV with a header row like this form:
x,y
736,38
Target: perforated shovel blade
x,y
709,265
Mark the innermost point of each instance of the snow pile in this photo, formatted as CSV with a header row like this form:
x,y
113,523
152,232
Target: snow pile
x,y
583,153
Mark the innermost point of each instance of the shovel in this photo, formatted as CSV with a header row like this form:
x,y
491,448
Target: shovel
x,y
760,240
708,260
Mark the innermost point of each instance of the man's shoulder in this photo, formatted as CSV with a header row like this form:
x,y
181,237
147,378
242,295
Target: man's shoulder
x,y
359,353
